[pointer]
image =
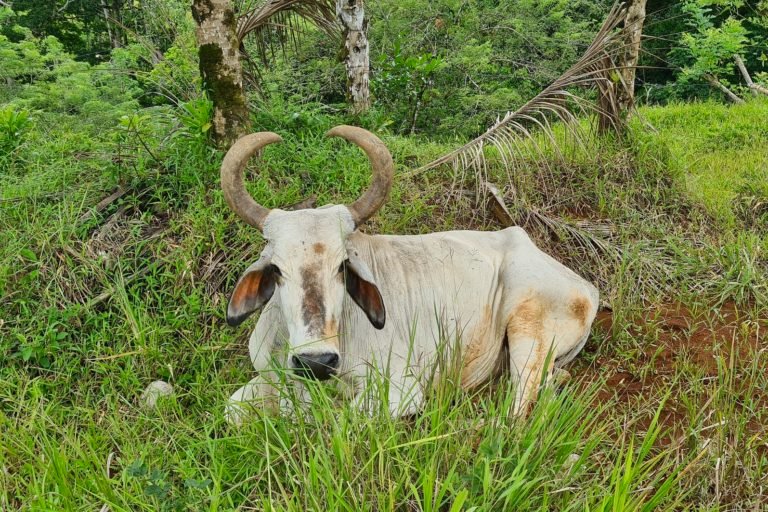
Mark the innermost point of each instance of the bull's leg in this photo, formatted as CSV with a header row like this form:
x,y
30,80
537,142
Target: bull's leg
x,y
404,396
259,393
528,361
529,344
262,391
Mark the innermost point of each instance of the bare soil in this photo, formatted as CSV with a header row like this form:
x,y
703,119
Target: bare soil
x,y
671,337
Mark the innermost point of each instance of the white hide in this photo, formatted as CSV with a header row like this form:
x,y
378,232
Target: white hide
x,y
470,288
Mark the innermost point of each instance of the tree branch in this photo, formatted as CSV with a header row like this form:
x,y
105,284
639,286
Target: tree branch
x,y
714,82
755,88
60,10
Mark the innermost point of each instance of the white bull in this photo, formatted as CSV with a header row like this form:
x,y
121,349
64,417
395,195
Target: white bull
x,y
495,293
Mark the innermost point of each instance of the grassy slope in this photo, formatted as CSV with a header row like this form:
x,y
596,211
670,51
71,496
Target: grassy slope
x,y
94,310
715,148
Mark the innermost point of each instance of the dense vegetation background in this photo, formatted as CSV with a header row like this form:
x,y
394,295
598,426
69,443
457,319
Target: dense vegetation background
x,y
444,69
117,253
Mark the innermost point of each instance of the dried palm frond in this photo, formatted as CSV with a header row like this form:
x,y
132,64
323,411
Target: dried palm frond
x,y
270,23
537,134
596,69
591,248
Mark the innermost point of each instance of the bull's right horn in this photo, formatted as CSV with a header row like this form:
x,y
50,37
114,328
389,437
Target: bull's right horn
x,y
232,177
383,170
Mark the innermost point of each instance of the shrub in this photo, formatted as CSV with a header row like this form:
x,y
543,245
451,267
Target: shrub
x,y
13,125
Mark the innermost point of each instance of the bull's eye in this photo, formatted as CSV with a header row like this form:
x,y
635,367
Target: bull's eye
x,y
343,266
276,270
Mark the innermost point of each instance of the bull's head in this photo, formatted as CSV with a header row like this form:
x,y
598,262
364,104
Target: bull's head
x,y
306,265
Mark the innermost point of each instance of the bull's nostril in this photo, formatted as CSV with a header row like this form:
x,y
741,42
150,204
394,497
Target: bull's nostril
x,y
331,360
318,366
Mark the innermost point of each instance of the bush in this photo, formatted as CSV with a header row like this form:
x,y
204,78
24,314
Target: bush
x,y
13,125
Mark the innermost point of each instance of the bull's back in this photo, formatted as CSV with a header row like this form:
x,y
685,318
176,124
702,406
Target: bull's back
x,y
439,290
461,289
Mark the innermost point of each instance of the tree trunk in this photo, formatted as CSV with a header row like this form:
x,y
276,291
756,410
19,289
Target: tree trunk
x,y
633,31
714,82
755,88
112,31
609,115
220,68
351,14
117,14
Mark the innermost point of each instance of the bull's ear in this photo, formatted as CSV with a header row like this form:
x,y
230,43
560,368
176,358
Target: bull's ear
x,y
364,292
252,291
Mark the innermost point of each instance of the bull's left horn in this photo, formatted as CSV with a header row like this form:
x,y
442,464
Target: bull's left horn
x,y
232,168
383,170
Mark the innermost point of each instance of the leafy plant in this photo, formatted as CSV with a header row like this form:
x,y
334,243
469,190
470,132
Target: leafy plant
x,y
195,116
157,485
402,81
711,48
13,125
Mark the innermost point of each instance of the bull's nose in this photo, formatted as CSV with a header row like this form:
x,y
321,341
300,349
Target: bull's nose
x,y
318,366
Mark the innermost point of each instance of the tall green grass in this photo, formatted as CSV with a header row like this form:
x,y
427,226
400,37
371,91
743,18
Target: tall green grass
x,y
94,310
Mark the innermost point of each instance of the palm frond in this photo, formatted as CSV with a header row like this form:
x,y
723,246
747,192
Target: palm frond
x,y
558,102
591,248
276,22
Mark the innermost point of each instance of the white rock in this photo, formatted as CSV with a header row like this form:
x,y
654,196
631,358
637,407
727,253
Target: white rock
x,y
154,392
569,463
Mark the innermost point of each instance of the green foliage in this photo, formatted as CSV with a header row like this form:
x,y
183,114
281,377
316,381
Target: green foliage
x,y
402,82
196,118
28,58
163,491
462,63
13,124
46,77
176,75
79,24
493,55
97,302
711,48
718,164
688,39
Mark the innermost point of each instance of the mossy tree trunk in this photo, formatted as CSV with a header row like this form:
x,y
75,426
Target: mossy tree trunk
x,y
633,32
220,68
616,99
351,14
609,115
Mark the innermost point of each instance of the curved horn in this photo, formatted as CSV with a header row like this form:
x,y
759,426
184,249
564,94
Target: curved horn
x,y
383,170
232,168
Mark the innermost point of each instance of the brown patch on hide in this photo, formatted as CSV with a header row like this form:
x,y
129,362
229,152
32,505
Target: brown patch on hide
x,y
527,319
331,329
478,347
580,309
312,305
318,247
527,322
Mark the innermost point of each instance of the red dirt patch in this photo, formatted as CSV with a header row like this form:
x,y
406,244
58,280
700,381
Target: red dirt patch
x,y
669,337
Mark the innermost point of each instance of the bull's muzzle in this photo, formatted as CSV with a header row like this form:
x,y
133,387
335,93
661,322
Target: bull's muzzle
x,y
316,366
